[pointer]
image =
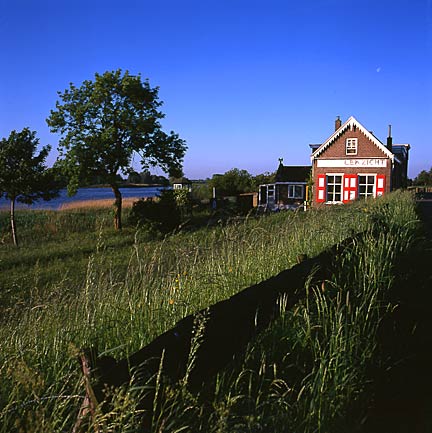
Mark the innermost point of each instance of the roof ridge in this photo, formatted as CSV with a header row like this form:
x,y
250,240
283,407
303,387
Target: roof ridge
x,y
350,123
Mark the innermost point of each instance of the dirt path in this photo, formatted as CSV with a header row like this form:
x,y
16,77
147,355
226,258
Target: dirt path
x,y
403,385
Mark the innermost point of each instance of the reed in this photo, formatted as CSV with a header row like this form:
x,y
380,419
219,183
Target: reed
x,y
127,202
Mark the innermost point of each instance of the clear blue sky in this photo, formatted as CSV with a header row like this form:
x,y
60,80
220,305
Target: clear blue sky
x,y
244,82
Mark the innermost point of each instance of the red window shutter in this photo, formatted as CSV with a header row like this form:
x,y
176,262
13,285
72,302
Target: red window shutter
x,y
380,185
349,188
321,188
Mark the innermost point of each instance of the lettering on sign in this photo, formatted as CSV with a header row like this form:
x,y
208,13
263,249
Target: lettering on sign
x,y
353,162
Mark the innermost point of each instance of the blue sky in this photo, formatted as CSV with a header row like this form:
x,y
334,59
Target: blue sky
x,y
243,82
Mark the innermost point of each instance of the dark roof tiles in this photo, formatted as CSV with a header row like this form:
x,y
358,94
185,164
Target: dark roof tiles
x,y
293,173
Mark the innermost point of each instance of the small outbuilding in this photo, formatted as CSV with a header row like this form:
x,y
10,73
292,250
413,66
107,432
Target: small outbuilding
x,y
289,191
182,183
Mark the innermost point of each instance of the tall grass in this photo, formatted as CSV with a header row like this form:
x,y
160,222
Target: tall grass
x,y
302,375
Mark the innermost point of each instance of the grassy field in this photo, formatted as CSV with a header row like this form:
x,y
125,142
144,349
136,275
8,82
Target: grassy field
x,y
74,282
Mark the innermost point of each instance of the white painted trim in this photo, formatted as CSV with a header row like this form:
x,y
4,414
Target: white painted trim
x,y
341,175
352,163
355,142
349,124
374,175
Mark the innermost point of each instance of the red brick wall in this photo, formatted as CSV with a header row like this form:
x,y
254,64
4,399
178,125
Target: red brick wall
x,y
365,149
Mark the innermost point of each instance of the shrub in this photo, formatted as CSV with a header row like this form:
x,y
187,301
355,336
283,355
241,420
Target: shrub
x,y
162,215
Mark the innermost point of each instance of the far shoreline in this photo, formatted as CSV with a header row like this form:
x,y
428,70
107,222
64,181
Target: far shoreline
x,y
128,185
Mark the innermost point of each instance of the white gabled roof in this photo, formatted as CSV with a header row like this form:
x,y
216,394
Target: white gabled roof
x,y
349,124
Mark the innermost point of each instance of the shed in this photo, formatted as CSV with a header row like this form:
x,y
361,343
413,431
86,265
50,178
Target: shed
x,y
289,189
182,183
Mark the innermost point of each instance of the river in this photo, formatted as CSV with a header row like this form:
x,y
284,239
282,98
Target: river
x,y
84,194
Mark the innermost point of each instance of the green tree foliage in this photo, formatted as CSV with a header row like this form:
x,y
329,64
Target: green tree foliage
x,y
183,199
201,191
23,175
424,178
105,123
231,183
262,179
145,177
134,177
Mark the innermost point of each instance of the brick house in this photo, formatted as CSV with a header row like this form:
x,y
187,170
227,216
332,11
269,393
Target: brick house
x,y
352,163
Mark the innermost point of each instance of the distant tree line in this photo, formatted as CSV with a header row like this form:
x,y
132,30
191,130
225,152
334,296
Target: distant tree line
x,y
237,181
424,178
146,178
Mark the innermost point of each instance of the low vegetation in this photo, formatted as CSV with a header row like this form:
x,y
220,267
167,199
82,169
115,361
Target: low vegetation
x,y
76,282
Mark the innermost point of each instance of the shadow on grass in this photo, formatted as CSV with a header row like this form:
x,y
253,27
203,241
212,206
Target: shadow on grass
x,y
402,385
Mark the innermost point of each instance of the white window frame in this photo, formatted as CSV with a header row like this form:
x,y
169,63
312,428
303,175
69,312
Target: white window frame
x,y
294,186
366,196
271,191
334,184
351,145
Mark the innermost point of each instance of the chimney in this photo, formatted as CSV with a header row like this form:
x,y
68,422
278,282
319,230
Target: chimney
x,y
338,123
390,140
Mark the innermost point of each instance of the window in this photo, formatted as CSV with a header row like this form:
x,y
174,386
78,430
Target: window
x,y
366,186
334,188
271,191
295,191
351,146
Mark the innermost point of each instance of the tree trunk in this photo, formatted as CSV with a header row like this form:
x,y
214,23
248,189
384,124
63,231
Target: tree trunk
x,y
117,207
12,220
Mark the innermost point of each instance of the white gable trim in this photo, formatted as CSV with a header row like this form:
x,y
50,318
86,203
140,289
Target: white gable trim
x,y
349,124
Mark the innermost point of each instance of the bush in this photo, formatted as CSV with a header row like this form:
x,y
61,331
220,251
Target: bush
x,y
162,215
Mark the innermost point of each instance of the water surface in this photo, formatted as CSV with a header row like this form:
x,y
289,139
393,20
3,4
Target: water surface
x,y
85,194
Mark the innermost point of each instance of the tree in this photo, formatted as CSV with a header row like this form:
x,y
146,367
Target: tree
x,y
424,178
233,182
134,177
23,175
106,122
146,177
263,178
